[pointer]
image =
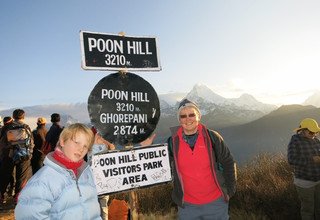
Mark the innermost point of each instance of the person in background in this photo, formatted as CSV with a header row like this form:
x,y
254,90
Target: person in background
x,y
53,134
204,171
64,187
304,157
7,166
6,121
21,150
39,136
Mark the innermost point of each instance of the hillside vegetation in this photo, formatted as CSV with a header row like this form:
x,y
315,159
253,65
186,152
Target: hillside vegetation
x,y
265,190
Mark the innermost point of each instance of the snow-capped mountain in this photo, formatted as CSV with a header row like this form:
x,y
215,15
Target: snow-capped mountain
x,y
202,91
247,101
208,100
215,109
172,98
313,100
222,111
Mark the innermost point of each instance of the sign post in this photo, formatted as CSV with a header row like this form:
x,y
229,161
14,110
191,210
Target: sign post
x,y
125,109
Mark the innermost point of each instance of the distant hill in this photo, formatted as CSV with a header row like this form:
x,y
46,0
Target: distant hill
x,y
202,94
70,113
217,111
271,133
313,100
171,98
248,126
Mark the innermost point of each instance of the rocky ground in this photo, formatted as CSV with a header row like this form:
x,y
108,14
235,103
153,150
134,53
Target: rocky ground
x,y
7,210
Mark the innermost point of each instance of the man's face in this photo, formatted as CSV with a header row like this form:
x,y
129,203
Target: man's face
x,y
309,134
189,120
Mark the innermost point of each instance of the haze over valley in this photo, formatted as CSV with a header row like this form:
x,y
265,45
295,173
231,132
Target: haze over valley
x,y
248,126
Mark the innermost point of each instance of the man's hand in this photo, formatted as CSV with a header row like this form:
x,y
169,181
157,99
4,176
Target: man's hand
x,y
148,141
100,140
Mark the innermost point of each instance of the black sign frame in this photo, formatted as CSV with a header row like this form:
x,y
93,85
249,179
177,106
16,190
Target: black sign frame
x,y
124,108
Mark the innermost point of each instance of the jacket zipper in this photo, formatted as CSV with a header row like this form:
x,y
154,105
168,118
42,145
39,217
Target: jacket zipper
x,y
75,179
78,188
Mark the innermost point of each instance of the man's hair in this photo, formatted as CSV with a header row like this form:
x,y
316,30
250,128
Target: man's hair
x,y
18,114
71,131
7,120
55,117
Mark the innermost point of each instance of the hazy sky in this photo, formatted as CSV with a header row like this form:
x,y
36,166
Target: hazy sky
x,y
269,49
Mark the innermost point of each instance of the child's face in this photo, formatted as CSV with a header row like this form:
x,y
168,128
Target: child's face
x,y
75,149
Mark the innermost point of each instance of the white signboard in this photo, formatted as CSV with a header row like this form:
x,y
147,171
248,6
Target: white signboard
x,y
129,169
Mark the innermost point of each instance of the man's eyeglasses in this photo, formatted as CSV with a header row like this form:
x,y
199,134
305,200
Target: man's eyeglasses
x,y
190,115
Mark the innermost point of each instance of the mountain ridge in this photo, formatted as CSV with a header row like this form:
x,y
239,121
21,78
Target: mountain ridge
x,y
270,133
246,130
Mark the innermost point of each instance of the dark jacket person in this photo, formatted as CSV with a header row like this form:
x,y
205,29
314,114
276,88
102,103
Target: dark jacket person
x,y
304,157
55,130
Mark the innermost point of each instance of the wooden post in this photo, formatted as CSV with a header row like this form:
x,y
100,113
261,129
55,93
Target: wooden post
x,y
133,199
133,203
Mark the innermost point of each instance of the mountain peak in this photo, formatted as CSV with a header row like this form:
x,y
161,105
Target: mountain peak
x,y
205,93
246,96
313,100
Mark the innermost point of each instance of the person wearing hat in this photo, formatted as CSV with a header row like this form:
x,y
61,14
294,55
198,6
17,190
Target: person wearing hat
x,y
304,157
39,136
203,168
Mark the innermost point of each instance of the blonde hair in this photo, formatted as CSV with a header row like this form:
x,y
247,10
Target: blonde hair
x,y
72,130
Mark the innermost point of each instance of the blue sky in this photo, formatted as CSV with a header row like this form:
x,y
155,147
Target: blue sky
x,y
270,49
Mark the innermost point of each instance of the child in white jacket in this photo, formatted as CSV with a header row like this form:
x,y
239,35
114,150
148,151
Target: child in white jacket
x,y
64,187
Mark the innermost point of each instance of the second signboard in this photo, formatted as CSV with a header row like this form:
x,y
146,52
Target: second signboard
x,y
124,108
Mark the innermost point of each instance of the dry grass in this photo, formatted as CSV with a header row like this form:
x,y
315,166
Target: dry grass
x,y
265,190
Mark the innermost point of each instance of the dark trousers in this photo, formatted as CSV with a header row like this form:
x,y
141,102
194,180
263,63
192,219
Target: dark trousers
x,y
37,161
6,171
23,174
216,210
310,202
